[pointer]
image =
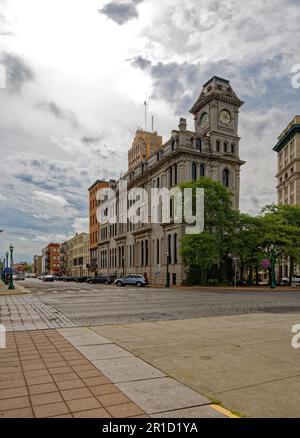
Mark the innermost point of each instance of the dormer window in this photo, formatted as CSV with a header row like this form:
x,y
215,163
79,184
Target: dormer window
x,y
173,145
157,156
199,145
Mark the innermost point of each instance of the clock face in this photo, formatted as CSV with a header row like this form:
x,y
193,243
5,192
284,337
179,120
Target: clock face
x,y
225,117
204,120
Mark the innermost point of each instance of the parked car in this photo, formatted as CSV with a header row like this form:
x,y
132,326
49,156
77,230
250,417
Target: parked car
x,y
48,279
19,277
296,281
131,280
82,279
284,282
69,279
101,280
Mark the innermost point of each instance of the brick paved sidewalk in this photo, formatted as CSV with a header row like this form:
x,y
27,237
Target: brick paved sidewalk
x,y
43,375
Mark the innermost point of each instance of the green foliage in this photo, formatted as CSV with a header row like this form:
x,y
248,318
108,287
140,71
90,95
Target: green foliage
x,y
229,233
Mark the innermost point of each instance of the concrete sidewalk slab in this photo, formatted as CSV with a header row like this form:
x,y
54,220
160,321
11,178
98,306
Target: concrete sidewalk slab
x,y
109,351
246,362
126,370
156,392
162,395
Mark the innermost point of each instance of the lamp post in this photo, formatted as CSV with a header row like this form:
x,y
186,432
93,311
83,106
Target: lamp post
x,y
11,280
6,272
168,273
273,261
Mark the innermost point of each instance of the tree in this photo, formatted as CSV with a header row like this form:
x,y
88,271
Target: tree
x,y
204,251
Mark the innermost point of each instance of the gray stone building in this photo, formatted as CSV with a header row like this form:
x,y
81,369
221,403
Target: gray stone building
x,y
212,150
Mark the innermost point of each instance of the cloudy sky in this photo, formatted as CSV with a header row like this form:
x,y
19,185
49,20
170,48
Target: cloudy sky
x,y
79,71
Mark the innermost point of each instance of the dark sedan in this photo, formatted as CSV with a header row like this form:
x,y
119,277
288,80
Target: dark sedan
x,y
100,280
82,279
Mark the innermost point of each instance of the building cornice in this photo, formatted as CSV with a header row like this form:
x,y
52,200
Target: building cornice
x,y
286,138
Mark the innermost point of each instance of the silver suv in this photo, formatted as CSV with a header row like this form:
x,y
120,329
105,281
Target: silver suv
x,y
131,280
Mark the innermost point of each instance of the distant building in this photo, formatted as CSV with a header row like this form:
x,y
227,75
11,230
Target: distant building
x,y
288,177
78,256
93,223
145,144
63,258
50,259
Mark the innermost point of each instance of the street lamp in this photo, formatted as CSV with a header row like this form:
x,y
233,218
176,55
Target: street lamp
x,y
6,271
11,280
273,261
168,273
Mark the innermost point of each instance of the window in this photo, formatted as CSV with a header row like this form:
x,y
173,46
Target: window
x,y
175,174
175,248
226,177
142,254
170,248
147,253
170,177
202,170
157,252
218,147
173,145
194,171
232,148
225,147
199,145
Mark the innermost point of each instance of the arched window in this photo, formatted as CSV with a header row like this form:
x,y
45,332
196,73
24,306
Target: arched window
x,y
202,170
199,145
194,171
226,177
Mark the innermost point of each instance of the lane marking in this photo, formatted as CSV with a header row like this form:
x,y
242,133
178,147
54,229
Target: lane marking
x,y
224,411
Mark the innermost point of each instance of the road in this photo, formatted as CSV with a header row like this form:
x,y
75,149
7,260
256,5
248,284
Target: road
x,y
107,305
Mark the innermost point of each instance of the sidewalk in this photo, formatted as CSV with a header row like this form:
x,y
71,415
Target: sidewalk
x,y
77,373
43,375
19,290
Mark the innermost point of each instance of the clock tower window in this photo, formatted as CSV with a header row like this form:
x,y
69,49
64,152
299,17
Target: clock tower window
x,y
225,178
199,145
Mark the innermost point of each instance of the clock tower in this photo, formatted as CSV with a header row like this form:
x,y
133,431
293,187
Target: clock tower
x,y
216,115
